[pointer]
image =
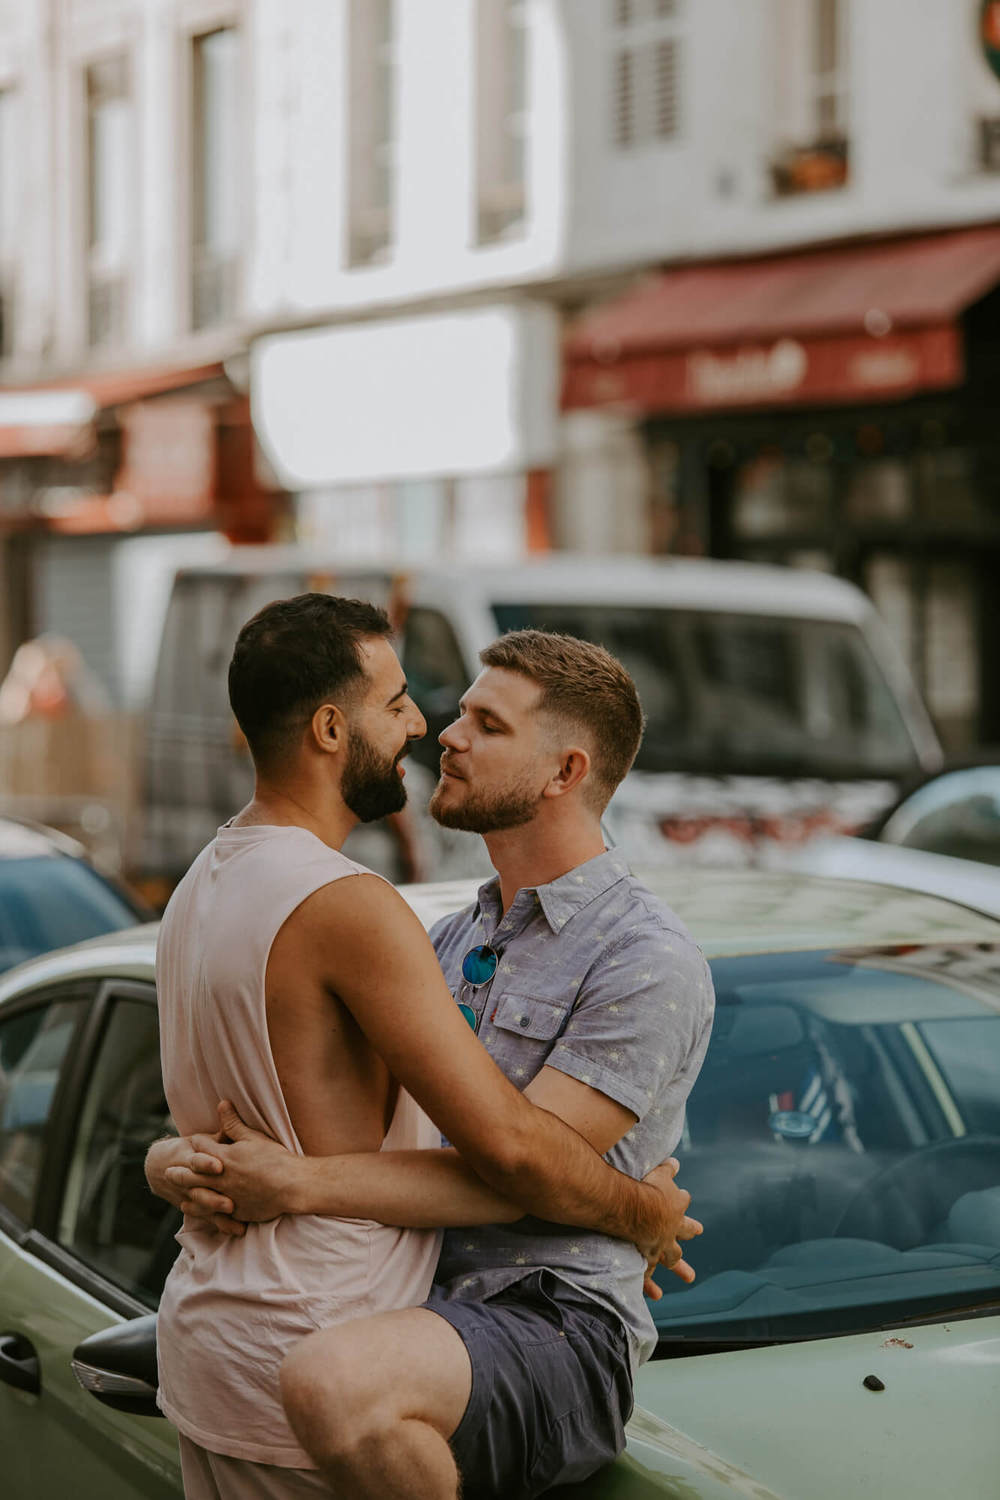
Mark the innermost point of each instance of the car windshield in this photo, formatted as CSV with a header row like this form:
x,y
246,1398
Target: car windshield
x,y
842,1145
49,901
730,693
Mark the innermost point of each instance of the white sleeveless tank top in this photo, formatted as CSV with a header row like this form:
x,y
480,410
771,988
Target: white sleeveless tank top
x,y
233,1308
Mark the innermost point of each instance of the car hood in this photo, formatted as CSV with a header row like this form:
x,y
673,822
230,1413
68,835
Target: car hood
x,y
794,1420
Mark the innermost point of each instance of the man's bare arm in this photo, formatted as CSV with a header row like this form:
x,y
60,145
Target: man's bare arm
x,y
402,1004
255,1178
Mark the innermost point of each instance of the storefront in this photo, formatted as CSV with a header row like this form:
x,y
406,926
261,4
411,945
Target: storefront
x,y
833,409
100,484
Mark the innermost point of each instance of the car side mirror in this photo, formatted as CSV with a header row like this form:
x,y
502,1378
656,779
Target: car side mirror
x,y
118,1366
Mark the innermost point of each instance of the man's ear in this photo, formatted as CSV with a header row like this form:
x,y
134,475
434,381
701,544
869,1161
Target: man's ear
x,y
328,728
574,766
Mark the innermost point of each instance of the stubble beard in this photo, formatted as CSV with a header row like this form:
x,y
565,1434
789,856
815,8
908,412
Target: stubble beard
x,y
486,812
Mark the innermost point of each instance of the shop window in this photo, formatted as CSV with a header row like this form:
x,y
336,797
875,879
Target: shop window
x,y
777,497
646,71
110,195
501,118
216,178
879,493
950,496
108,1218
373,130
952,664
811,152
34,1045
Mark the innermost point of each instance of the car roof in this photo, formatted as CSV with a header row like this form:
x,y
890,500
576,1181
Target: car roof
x,y
692,583
729,912
21,839
127,954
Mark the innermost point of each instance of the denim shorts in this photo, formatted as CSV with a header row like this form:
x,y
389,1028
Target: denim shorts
x,y
551,1387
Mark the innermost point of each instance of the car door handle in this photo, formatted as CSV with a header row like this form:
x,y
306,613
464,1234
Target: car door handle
x,y
19,1363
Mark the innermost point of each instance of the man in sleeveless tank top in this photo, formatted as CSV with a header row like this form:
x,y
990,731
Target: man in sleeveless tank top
x,y
300,987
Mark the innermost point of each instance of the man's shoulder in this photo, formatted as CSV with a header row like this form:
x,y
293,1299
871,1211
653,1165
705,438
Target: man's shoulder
x,y
454,927
640,917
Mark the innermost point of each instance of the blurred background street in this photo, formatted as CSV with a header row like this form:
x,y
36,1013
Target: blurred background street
x,y
433,292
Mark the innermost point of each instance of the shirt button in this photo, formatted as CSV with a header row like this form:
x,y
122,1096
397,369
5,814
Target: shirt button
x,y
524,1020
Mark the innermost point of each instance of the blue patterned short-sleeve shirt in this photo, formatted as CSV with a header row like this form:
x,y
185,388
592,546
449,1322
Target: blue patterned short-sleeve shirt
x,y
599,979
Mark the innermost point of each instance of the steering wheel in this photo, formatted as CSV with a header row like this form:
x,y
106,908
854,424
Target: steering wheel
x,y
900,1204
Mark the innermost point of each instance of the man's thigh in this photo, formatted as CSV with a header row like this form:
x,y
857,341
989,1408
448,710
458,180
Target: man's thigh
x,y
408,1365
213,1476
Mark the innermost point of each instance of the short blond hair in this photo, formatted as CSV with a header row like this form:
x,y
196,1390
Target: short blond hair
x,y
584,685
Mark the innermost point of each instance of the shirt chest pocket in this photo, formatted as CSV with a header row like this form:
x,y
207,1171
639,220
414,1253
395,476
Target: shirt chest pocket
x,y
525,1016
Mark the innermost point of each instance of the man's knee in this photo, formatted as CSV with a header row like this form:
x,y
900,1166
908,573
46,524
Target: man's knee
x,y
323,1394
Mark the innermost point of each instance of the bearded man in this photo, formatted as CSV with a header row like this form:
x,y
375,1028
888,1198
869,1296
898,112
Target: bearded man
x,y
301,987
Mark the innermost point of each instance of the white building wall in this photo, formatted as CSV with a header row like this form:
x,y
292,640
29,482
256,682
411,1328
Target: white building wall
x,y
916,81
300,86
45,48
915,76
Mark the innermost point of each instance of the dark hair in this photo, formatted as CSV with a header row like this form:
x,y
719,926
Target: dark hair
x,y
291,657
584,685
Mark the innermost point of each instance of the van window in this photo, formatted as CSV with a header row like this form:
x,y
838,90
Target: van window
x,y
743,694
436,674
197,772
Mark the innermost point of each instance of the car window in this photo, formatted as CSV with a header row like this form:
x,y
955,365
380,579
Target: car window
x,y
957,814
436,673
108,1218
49,902
34,1045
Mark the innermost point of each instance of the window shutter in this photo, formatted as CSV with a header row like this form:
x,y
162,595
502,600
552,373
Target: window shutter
x,y
666,95
624,117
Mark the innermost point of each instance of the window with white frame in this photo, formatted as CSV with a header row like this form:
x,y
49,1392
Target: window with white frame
x,y
110,195
501,118
216,177
10,184
646,71
811,95
372,130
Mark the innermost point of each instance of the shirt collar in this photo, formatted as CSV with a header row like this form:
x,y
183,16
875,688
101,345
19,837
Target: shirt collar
x,y
561,899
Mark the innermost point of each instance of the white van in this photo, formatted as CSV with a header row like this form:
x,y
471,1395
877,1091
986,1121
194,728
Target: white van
x,y
777,707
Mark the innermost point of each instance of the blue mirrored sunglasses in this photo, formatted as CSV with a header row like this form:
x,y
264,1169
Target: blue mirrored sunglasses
x,y
480,964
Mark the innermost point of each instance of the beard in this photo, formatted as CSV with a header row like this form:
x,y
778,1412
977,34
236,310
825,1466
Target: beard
x,y
371,786
487,811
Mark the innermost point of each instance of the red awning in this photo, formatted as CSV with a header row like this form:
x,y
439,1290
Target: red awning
x,y
120,387
34,423
855,323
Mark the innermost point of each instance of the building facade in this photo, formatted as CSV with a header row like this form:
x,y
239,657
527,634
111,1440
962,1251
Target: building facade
x,y
125,432
408,240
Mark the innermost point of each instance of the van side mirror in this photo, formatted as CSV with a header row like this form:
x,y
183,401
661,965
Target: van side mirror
x,y
118,1366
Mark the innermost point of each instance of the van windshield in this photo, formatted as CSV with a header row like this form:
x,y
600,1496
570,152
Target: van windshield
x,y
743,694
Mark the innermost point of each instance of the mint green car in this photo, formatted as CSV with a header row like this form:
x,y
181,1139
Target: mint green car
x,y
842,1146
